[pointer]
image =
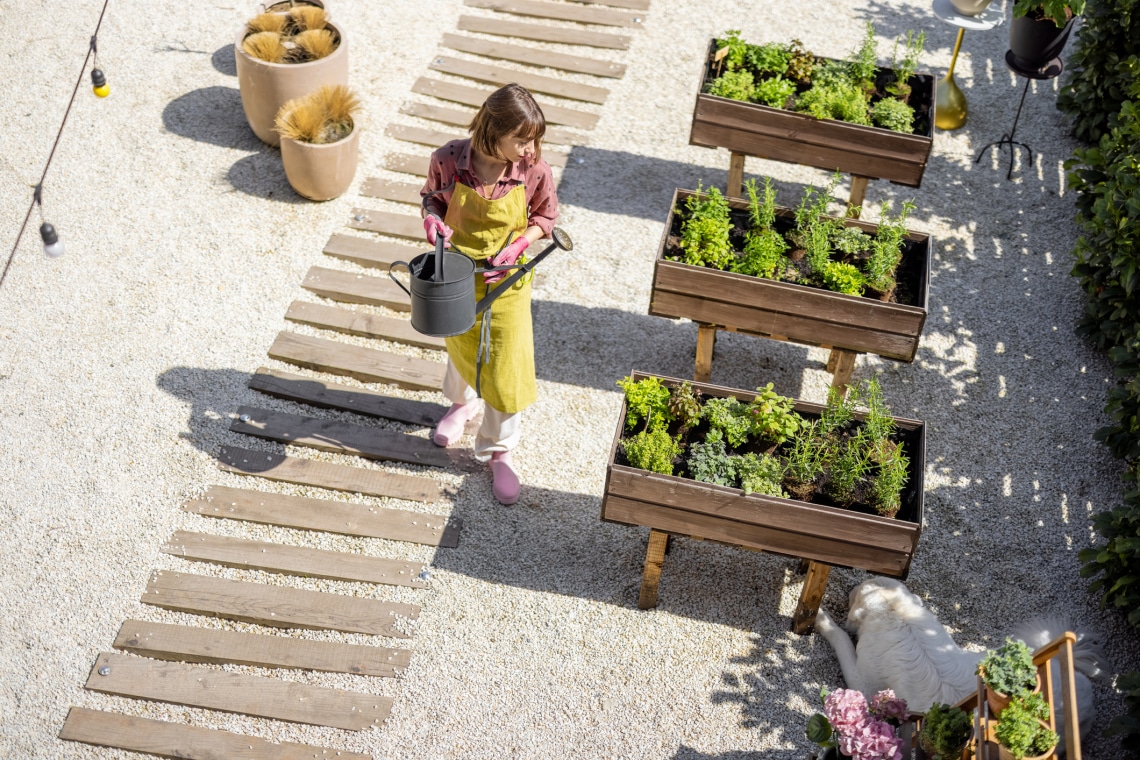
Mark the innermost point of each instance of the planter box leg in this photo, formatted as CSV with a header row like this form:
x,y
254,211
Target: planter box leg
x,y
858,192
803,566
735,187
803,622
841,364
706,342
651,575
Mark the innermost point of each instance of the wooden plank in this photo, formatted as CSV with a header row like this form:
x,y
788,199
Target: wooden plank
x,y
499,76
365,364
329,395
351,287
533,56
844,366
162,641
637,5
342,437
560,12
651,573
474,96
364,325
542,33
177,740
276,606
259,696
396,225
336,477
294,560
400,192
735,175
341,517
415,164
858,193
803,621
369,253
436,138
706,342
462,118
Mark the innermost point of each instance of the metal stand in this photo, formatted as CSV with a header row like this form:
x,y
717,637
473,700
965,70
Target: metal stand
x,y
950,103
1051,70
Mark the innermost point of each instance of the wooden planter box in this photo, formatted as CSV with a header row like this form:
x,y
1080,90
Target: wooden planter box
x,y
795,528
788,311
758,130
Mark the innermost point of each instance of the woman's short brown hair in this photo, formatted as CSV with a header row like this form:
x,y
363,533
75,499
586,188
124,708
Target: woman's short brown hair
x,y
509,110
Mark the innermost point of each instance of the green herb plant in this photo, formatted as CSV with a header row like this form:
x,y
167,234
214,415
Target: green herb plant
x,y
801,63
842,277
654,450
1020,730
737,85
648,400
737,49
894,115
887,250
847,466
772,58
710,462
804,461
761,473
685,406
774,417
773,92
905,68
945,731
705,229
731,418
1009,669
864,63
1058,10
888,483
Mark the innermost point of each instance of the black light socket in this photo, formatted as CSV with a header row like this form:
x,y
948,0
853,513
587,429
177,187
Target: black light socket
x,y
97,78
47,232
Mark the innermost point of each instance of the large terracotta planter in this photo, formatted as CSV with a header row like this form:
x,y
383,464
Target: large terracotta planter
x,y
1035,42
320,172
1005,754
265,87
999,701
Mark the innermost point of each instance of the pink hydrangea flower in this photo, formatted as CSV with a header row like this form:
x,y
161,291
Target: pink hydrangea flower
x,y
886,706
874,740
846,711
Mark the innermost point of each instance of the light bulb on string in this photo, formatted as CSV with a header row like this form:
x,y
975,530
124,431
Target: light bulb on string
x,y
52,247
99,83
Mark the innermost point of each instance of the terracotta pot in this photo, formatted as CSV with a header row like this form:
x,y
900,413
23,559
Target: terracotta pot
x,y
1005,754
265,87
998,701
970,7
320,172
1035,42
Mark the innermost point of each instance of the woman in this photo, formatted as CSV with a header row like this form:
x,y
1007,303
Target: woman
x,y
490,197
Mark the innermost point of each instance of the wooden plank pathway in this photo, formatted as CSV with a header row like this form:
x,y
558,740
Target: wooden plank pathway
x,y
366,364
474,96
305,513
543,33
560,12
198,686
324,394
532,56
363,325
183,643
370,253
461,117
499,76
276,606
351,287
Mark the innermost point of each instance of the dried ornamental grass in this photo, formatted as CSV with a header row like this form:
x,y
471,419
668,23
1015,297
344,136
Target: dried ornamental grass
x,y
306,17
321,117
267,22
312,45
265,46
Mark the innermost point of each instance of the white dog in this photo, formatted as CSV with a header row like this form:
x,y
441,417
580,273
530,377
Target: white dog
x,y
903,647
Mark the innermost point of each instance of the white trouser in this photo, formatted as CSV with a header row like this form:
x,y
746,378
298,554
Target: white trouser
x,y
499,431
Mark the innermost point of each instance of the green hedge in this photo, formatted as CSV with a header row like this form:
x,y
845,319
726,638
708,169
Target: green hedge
x,y
1103,65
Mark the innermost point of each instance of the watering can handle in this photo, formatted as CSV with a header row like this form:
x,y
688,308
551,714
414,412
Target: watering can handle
x,y
559,239
392,274
439,242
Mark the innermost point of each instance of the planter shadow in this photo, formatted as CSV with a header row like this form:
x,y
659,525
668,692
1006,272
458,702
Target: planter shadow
x,y
262,175
211,115
223,60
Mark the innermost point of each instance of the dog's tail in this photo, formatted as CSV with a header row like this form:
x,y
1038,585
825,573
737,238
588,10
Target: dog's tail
x,y
1088,658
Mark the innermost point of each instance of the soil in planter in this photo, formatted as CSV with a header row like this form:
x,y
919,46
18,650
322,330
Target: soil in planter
x,y
908,275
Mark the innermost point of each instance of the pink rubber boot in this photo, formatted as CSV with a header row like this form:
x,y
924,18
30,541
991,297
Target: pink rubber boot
x,y
507,484
450,427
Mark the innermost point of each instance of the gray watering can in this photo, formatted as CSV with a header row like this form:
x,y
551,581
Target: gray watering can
x,y
443,286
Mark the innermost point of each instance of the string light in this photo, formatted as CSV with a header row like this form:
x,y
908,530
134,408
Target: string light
x,y
52,245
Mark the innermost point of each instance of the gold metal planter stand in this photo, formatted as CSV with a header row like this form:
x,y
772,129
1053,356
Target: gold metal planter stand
x,y
950,109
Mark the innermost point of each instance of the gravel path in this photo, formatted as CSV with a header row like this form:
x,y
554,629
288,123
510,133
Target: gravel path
x,y
121,363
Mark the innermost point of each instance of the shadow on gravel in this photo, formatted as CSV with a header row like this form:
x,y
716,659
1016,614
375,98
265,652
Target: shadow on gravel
x,y
211,115
212,394
223,60
262,175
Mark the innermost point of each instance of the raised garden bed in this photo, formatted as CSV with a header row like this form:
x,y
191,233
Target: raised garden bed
x,y
758,130
846,537
791,311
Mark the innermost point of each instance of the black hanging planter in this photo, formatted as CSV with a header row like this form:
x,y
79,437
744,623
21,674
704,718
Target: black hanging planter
x,y
1036,42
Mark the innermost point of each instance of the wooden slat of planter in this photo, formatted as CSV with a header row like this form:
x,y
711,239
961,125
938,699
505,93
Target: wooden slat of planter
x,y
177,740
415,164
756,509
560,12
369,253
396,225
275,606
533,56
620,509
499,76
196,686
350,287
461,118
340,517
293,560
365,325
474,96
341,437
400,192
540,33
328,395
336,477
435,138
162,641
365,364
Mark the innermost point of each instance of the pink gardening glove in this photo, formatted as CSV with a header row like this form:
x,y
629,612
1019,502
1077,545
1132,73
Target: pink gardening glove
x,y
434,226
506,257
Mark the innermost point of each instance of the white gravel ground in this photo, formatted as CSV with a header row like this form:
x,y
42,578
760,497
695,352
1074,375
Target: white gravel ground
x,y
121,363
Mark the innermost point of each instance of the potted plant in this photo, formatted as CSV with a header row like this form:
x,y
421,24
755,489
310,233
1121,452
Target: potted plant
x,y
1022,733
970,7
850,727
319,141
782,102
802,275
945,732
1008,673
1040,29
833,483
282,56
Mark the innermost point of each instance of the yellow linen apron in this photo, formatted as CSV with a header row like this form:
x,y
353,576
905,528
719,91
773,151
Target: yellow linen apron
x,y
481,227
